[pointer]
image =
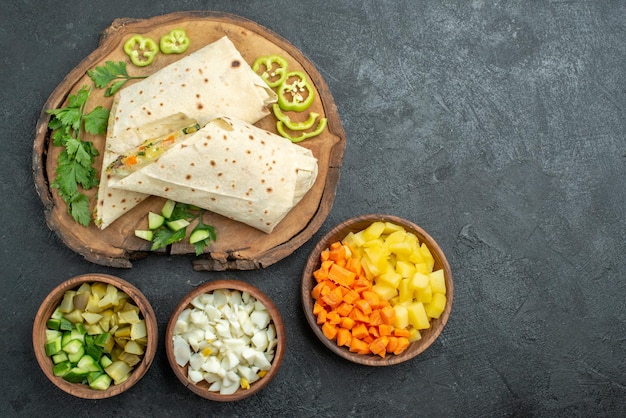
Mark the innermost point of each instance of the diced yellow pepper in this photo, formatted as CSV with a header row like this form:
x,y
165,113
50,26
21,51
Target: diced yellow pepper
x,y
402,316
419,281
417,316
435,308
437,281
373,231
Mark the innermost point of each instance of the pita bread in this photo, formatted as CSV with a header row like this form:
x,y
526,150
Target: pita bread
x,y
231,168
212,81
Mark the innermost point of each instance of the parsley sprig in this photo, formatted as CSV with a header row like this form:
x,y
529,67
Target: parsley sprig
x,y
111,72
75,164
201,236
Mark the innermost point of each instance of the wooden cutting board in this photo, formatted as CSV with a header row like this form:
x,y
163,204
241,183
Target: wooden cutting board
x,y
238,247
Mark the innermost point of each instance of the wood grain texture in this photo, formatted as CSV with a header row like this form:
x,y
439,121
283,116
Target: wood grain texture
x,y
239,247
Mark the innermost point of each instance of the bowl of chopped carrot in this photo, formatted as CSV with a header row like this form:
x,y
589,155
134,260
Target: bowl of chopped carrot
x,y
377,290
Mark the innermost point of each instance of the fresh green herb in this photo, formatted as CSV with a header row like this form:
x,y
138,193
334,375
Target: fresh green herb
x,y
111,72
173,227
75,164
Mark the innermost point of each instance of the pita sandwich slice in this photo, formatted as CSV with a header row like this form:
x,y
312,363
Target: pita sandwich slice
x,y
231,168
211,81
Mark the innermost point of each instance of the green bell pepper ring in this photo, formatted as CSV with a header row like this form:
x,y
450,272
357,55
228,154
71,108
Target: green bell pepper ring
x,y
141,50
320,128
175,42
290,93
264,66
294,126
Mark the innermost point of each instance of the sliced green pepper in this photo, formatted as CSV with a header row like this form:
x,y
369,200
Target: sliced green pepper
x,y
320,128
264,66
175,42
290,93
141,50
294,126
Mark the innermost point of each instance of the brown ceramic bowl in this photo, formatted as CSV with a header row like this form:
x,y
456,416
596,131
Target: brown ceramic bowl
x,y
201,388
54,299
338,233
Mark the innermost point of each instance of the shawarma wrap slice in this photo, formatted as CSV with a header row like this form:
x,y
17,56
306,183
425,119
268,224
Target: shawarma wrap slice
x,y
211,81
234,169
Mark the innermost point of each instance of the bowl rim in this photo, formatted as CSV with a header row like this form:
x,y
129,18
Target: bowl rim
x,y
355,224
50,303
277,319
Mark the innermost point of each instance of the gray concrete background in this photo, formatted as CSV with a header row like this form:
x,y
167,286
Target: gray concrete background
x,y
497,126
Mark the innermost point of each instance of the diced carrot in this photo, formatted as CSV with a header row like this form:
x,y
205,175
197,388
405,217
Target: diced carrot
x,y
333,298
317,308
358,346
388,314
372,298
368,339
351,297
344,309
333,317
392,344
325,255
359,331
344,337
341,275
401,332
329,330
375,318
354,265
317,292
403,344
320,275
385,330
361,285
373,331
130,160
363,306
379,346
321,317
359,316
346,323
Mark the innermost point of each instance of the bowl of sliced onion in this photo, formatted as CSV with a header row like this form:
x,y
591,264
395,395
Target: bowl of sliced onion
x,y
225,340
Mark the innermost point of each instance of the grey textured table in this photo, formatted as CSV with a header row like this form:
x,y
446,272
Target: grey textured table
x,y
499,127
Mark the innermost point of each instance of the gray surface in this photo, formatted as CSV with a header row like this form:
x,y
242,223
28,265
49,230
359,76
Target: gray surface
x,y
497,126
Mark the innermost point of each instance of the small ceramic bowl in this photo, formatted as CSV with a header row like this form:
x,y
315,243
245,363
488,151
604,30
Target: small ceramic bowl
x,y
201,387
338,233
52,301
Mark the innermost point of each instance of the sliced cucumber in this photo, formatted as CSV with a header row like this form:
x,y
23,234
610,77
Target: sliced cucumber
x,y
53,347
199,235
75,349
53,323
62,368
102,382
65,325
51,334
59,357
76,375
88,363
168,208
105,361
146,234
155,220
177,225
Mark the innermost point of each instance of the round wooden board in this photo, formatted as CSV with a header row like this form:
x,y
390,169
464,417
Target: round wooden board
x,y
238,247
